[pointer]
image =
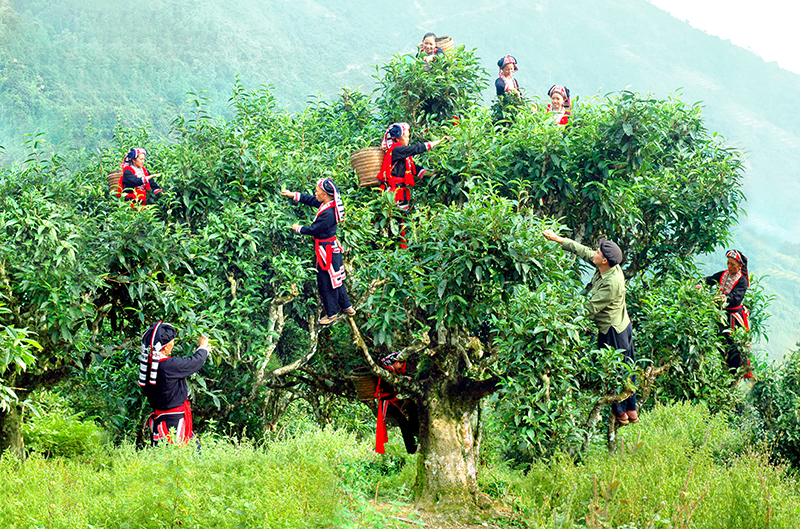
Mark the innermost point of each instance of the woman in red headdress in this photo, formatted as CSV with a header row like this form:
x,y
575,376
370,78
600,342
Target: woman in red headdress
x,y
505,83
559,104
733,283
135,181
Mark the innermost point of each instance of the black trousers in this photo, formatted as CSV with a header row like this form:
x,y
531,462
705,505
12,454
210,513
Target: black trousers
x,y
408,422
624,341
333,299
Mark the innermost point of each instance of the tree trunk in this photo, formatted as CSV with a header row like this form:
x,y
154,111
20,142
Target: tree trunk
x,y
11,432
447,465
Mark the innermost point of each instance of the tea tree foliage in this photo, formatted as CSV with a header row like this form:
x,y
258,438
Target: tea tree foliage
x,y
419,93
482,300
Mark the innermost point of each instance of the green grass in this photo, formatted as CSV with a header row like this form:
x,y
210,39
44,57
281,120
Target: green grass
x,y
293,484
680,467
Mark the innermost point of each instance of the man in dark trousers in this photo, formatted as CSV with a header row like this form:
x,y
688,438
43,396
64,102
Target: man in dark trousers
x,y
163,380
607,307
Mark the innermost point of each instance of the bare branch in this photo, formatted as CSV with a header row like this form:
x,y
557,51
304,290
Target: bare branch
x,y
371,288
313,331
602,402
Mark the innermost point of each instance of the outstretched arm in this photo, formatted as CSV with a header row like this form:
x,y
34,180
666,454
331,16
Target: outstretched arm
x,y
550,235
584,252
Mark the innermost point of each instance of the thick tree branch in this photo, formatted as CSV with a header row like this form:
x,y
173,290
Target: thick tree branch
x,y
602,402
647,380
479,389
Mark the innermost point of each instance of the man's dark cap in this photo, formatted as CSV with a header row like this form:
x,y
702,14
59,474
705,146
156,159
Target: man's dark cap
x,y
611,252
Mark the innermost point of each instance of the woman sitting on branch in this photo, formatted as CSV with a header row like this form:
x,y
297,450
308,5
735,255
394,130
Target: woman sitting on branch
x,y
330,266
135,181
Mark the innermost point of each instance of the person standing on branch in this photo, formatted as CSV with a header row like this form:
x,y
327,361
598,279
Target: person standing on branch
x,y
607,307
330,266
135,181
163,380
399,172
733,283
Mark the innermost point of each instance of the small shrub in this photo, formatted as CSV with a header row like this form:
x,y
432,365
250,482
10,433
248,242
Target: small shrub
x,y
59,431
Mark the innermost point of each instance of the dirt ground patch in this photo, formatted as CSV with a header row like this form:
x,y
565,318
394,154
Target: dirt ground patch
x,y
403,516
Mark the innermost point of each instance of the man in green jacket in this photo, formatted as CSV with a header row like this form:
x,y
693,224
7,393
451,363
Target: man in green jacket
x,y
607,307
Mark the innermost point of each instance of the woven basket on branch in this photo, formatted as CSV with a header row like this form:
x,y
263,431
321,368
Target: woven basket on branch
x,y
446,44
365,382
367,163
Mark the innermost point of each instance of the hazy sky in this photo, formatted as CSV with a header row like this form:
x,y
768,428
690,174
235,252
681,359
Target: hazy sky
x,y
769,28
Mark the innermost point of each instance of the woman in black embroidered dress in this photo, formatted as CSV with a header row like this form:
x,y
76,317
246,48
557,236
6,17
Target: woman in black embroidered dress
x,y
505,84
135,181
733,283
163,381
399,172
330,267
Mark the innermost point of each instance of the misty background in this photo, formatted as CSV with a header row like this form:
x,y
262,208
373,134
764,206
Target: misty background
x,y
74,69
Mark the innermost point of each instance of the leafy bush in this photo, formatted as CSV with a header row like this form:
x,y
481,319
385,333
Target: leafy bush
x,y
423,93
776,396
56,430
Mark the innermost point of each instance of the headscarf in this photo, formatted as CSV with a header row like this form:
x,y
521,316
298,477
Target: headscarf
x,y
505,60
394,133
563,90
327,185
131,156
740,258
390,359
153,341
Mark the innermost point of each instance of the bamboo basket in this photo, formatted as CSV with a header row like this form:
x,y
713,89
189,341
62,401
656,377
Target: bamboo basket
x,y
367,163
113,181
446,44
365,382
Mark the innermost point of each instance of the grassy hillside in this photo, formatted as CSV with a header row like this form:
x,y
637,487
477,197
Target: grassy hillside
x,y
73,68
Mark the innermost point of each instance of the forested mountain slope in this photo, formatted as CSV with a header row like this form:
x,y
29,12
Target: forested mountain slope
x,y
64,61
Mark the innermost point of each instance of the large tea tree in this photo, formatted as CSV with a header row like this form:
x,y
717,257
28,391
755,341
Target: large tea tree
x,y
443,299
636,169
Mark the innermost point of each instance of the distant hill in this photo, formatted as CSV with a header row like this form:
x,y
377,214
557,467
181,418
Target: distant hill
x,y
64,60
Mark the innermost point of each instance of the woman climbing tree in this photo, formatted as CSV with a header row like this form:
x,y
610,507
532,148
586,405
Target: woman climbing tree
x,y
399,171
330,267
